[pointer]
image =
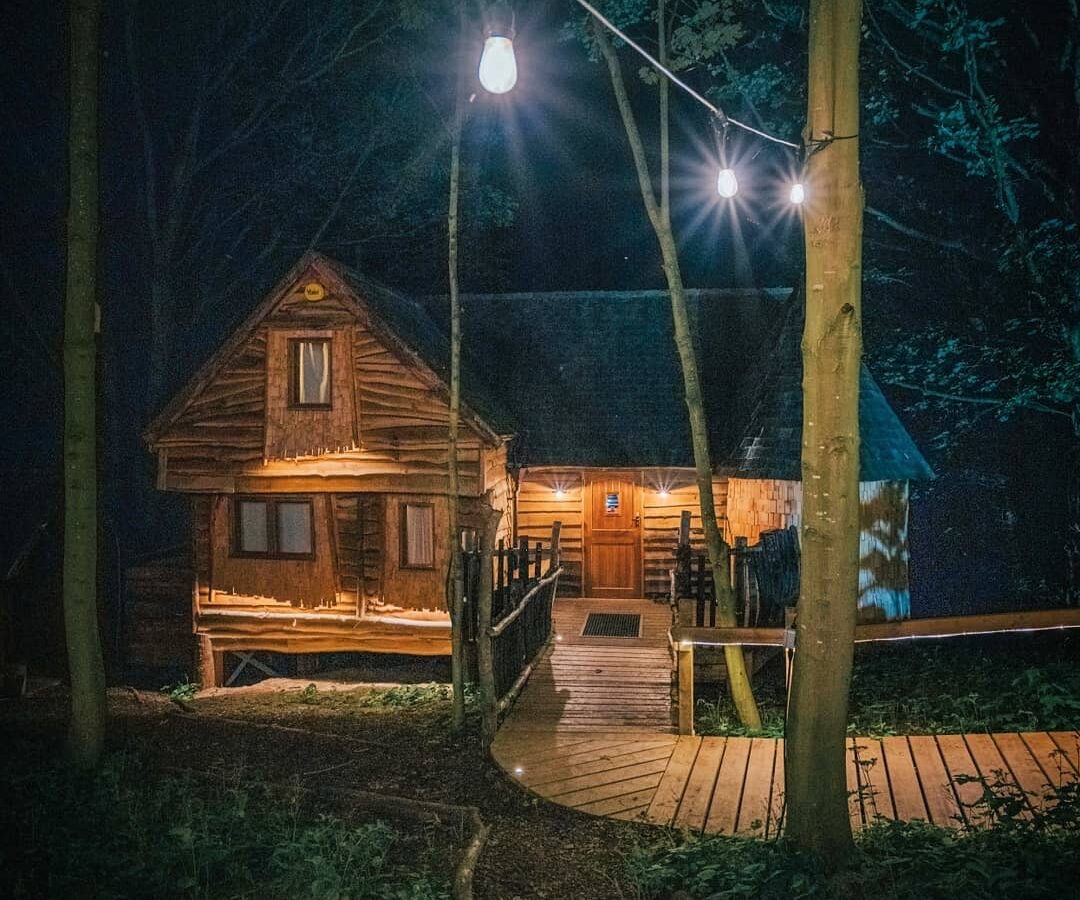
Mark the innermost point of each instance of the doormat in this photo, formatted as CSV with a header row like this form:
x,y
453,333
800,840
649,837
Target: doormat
x,y
624,625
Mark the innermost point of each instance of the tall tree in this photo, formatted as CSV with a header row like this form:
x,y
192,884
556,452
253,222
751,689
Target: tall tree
x,y
815,770
659,213
455,581
86,732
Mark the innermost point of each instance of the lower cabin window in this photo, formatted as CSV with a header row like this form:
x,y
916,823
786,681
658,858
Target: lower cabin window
x,y
417,536
274,528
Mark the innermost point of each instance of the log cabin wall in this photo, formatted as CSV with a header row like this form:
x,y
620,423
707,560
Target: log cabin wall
x,y
237,434
667,493
415,590
304,584
548,494
756,505
499,481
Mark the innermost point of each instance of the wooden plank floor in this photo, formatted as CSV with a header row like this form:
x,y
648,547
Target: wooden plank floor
x,y
592,731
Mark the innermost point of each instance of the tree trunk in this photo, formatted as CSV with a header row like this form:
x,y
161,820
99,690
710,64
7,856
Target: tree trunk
x,y
457,588
86,732
485,662
659,216
816,786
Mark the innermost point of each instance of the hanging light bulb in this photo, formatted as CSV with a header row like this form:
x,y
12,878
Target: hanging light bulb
x,y
498,66
727,185
798,193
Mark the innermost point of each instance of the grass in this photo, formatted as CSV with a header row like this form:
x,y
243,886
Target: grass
x,y
1015,858
126,831
963,685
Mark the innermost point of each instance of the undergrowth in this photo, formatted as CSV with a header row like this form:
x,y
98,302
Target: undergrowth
x,y
128,832
1014,858
402,696
949,687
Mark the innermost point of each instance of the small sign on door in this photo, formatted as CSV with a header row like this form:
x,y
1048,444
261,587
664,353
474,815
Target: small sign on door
x,y
611,503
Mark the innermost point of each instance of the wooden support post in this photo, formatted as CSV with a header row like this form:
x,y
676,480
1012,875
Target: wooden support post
x,y
556,531
537,561
699,618
742,578
523,562
485,656
211,663
685,652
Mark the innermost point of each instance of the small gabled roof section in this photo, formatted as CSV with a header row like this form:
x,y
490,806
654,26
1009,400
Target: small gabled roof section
x,y
771,445
400,323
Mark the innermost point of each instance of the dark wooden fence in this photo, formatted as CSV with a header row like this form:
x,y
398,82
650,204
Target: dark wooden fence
x,y
524,582
764,576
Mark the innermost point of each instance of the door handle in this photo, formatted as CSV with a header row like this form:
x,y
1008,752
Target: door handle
x,y
637,520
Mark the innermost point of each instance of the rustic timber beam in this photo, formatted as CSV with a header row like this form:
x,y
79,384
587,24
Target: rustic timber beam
x,y
540,585
307,484
908,629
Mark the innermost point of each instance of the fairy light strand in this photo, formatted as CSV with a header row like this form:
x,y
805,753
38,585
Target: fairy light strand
x,y
674,79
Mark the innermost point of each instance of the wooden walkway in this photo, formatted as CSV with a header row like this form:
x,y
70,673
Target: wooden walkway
x,y
592,731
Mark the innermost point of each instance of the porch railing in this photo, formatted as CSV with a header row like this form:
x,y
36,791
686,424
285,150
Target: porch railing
x,y
510,616
764,578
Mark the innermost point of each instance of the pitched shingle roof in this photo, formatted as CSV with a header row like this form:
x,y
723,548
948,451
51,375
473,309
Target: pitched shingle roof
x,y
771,443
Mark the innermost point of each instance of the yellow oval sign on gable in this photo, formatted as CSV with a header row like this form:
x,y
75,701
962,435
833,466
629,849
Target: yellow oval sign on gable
x,y
314,291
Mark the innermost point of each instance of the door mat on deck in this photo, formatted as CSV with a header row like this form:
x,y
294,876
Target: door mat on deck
x,y
626,625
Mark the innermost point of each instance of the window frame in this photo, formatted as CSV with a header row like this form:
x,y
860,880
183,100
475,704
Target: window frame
x,y
271,504
294,371
403,536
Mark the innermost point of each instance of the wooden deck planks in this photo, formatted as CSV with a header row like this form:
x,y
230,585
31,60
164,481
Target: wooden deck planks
x,y
669,792
855,809
697,797
937,788
592,731
757,787
776,798
962,769
874,790
727,794
908,801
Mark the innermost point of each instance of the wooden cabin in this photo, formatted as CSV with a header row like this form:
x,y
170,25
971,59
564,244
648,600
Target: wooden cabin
x,y
313,450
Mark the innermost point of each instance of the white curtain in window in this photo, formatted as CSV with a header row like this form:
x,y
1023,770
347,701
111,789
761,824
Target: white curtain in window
x,y
294,528
314,375
419,536
253,527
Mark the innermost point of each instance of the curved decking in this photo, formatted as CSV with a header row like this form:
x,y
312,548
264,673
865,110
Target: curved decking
x,y
592,731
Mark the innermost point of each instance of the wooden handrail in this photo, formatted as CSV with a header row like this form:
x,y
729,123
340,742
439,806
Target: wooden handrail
x,y
907,629
495,630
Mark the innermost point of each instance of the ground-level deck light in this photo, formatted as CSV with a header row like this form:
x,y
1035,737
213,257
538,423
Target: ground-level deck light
x,y
498,66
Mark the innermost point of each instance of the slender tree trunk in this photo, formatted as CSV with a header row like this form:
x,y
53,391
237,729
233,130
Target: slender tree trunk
x,y
86,732
659,216
485,661
456,583
817,815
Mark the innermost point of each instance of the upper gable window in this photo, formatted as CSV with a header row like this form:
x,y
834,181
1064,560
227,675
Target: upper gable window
x,y
309,372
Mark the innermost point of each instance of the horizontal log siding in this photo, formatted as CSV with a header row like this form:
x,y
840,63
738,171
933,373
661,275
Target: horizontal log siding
x,y
247,583
401,413
538,506
660,521
498,481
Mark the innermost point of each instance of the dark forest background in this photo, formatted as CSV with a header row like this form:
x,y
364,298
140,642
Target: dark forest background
x,y
237,135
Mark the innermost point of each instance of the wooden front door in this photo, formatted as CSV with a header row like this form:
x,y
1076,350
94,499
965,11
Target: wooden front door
x,y
612,536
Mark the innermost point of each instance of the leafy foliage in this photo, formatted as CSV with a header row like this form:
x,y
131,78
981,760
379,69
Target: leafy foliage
x,y
129,833
1016,857
948,688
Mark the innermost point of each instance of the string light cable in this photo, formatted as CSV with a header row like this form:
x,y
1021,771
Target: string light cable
x,y
722,117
